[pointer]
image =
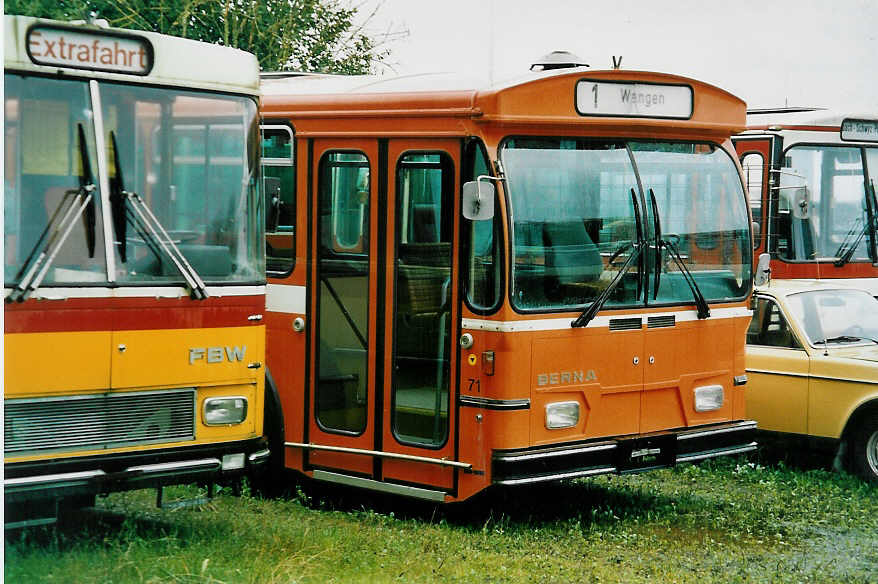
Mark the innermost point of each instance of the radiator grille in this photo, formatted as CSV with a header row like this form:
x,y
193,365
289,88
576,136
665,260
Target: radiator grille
x,y
101,421
625,324
661,321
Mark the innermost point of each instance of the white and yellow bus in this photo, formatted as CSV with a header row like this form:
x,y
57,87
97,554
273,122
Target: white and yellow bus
x,y
133,264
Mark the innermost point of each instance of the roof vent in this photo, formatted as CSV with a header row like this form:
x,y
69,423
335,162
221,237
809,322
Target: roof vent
x,y
558,60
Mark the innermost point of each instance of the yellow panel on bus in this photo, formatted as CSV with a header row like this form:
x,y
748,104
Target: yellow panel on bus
x,y
146,358
33,363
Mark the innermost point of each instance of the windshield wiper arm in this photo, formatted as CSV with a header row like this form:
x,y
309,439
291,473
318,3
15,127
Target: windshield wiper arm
x,y
700,302
149,227
846,339
74,204
847,248
660,242
589,313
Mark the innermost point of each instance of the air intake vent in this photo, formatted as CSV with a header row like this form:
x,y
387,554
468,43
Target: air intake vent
x,y
100,421
661,321
625,324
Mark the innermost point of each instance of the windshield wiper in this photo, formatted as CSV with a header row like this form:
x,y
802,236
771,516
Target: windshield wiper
x,y
589,313
74,204
847,248
130,208
845,339
700,302
850,243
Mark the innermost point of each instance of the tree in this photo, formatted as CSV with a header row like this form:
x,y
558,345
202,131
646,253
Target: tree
x,y
301,35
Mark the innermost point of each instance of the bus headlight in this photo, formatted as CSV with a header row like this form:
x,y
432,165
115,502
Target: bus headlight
x,y
222,411
708,398
562,415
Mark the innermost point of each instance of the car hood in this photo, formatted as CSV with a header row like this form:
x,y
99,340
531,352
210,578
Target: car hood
x,y
861,353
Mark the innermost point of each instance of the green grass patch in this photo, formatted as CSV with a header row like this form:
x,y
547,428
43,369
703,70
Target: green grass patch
x,y
726,521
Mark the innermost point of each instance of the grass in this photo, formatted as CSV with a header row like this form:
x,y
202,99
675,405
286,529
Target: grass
x,y
728,521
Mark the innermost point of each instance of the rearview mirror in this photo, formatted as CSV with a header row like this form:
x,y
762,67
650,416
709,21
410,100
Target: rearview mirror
x,y
478,200
763,271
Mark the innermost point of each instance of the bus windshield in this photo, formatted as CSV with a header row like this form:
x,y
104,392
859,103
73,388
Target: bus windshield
x,y
190,157
840,205
577,215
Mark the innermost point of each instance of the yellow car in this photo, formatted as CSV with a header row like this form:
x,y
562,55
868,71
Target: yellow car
x,y
812,363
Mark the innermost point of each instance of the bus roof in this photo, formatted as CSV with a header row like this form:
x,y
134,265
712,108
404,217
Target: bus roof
x,y
801,118
40,46
544,98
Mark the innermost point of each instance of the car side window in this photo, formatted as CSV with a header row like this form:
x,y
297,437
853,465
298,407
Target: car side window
x,y
769,327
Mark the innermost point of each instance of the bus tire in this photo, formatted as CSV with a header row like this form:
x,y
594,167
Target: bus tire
x,y
270,480
864,447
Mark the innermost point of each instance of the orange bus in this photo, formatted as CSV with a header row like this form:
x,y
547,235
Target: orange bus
x,y
134,270
811,175
532,281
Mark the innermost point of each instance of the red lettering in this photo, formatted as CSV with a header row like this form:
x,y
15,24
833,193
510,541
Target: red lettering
x,y
34,43
84,53
142,58
120,51
94,51
62,45
106,56
50,51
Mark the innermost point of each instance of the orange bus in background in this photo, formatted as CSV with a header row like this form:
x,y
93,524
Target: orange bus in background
x,y
811,175
134,276
532,281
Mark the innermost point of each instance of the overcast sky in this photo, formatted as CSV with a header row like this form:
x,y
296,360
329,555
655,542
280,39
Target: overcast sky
x,y
799,52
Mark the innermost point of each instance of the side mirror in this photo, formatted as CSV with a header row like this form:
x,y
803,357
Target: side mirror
x,y
478,200
757,234
272,202
763,271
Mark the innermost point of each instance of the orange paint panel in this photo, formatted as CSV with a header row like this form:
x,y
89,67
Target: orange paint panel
x,y
421,473
357,463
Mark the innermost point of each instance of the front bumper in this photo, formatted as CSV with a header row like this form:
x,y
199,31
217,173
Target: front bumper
x,y
94,475
622,455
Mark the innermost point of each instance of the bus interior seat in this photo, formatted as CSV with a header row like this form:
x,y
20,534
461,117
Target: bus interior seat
x,y
74,252
423,295
571,255
424,223
207,260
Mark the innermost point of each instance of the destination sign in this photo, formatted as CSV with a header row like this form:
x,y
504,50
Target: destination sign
x,y
639,100
860,130
89,50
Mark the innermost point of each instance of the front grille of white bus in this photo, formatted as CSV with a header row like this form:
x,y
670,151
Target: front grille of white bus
x,y
96,422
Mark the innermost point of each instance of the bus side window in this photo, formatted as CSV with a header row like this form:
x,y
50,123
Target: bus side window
x,y
482,240
753,164
279,176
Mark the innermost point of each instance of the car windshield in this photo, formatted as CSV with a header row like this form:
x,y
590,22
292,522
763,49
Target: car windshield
x,y
836,317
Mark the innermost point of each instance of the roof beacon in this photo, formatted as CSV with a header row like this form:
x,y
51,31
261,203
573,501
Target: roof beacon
x,y
558,60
